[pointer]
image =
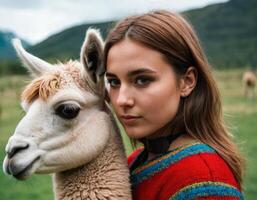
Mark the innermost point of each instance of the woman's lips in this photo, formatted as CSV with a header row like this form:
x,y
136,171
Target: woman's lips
x,y
129,119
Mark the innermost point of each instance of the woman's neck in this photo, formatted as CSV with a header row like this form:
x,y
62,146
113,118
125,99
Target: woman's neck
x,y
180,141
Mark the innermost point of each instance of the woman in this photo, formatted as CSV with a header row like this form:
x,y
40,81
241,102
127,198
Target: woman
x,y
163,92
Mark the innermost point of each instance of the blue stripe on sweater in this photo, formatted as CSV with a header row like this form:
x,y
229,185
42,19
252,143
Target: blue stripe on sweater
x,y
138,177
207,191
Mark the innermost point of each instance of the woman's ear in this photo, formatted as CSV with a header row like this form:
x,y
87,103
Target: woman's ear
x,y
188,82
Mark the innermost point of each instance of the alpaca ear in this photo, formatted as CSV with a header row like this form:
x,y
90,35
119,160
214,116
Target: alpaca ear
x,y
35,65
91,55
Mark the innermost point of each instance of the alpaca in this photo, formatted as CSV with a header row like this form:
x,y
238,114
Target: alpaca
x,y
249,82
68,129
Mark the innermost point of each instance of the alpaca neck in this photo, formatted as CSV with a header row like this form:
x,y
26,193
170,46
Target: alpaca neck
x,y
105,176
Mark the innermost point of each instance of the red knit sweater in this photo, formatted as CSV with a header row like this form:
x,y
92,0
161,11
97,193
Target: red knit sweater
x,y
195,171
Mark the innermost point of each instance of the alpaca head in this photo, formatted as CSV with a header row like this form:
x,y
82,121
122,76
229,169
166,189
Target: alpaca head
x,y
63,127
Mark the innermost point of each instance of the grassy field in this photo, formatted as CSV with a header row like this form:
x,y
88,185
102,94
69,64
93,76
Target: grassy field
x,y
240,115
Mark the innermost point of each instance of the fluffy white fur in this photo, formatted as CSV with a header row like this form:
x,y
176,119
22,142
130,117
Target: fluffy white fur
x,y
85,153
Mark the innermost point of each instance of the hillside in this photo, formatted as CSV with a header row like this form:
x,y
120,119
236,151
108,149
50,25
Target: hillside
x,y
67,44
6,50
228,32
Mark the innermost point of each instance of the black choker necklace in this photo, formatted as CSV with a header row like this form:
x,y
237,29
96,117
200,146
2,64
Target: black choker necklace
x,y
159,145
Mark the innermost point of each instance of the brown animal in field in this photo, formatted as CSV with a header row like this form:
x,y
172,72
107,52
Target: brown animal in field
x,y
249,83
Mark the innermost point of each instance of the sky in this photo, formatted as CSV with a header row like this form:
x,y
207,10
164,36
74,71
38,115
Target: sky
x,y
35,20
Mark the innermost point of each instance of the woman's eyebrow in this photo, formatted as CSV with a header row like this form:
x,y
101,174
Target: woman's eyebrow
x,y
134,72
140,71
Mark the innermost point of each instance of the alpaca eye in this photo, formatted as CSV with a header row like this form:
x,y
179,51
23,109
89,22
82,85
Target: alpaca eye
x,y
67,111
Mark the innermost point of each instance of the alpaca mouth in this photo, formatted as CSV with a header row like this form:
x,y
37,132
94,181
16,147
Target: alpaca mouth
x,y
26,171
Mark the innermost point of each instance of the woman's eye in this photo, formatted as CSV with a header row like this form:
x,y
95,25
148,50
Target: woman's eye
x,y
67,111
142,81
113,83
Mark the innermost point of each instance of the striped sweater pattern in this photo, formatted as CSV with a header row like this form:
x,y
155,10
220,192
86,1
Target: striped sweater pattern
x,y
193,171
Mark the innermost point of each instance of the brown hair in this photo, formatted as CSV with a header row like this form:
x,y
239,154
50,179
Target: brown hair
x,y
200,114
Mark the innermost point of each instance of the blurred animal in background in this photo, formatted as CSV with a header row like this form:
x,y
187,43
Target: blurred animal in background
x,y
249,84
1,111
68,129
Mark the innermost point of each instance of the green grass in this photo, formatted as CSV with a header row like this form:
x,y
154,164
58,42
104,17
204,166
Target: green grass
x,y
240,114
38,187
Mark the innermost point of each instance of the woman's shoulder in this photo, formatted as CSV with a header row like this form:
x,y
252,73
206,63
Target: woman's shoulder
x,y
198,162
169,163
186,171
199,170
201,159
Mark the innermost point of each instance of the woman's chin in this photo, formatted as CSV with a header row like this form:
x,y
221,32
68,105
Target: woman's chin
x,y
135,134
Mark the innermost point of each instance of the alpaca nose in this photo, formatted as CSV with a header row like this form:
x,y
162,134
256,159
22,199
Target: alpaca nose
x,y
15,147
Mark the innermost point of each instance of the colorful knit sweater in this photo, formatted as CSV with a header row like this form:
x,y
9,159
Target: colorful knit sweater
x,y
194,171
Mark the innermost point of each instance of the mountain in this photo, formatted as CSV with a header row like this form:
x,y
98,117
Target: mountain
x,y
67,44
228,32
6,49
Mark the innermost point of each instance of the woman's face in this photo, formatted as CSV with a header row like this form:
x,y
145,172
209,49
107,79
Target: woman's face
x,y
143,88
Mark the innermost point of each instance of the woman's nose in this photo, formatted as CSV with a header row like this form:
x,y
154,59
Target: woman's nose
x,y
125,97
